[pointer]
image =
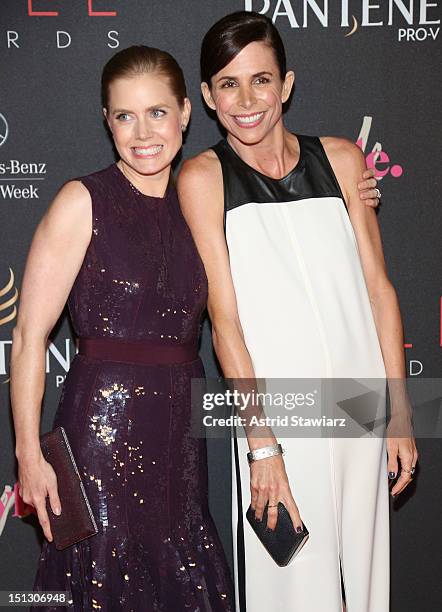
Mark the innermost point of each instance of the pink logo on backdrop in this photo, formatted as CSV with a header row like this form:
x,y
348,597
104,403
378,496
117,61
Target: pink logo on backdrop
x,y
10,500
378,158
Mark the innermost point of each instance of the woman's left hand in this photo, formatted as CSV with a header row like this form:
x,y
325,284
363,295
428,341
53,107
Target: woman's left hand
x,y
403,450
368,191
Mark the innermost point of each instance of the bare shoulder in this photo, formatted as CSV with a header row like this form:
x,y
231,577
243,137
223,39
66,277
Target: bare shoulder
x,y
200,170
76,193
70,209
200,189
71,197
342,153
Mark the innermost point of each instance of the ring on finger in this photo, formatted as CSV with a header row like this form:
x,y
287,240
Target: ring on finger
x,y
273,505
378,193
406,470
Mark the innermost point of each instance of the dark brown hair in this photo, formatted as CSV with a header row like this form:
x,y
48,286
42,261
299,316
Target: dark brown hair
x,y
228,36
140,59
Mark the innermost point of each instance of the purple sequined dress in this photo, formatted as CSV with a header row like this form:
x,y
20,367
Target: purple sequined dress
x,y
157,549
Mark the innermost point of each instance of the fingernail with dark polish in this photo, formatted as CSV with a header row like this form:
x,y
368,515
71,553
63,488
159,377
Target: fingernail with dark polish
x,y
298,529
391,475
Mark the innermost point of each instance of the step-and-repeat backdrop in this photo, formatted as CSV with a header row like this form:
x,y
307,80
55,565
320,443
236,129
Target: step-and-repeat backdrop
x,y
367,70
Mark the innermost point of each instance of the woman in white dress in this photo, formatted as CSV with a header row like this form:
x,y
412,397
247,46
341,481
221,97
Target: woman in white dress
x,y
297,289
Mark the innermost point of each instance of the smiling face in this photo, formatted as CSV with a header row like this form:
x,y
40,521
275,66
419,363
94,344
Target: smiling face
x,y
248,93
146,122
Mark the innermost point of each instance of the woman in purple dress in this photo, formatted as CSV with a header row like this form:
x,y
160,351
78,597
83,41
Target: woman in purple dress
x,y
115,246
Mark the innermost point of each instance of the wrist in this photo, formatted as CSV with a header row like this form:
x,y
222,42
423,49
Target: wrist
x,y
28,454
264,453
256,443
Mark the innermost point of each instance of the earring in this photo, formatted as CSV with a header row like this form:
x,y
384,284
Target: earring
x,y
183,127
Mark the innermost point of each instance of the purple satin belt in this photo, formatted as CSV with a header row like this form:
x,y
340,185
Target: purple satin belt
x,y
137,351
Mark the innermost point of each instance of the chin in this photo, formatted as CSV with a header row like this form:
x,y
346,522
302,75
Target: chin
x,y
148,166
250,136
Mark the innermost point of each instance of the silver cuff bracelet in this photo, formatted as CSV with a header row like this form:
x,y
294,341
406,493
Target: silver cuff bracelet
x,y
264,452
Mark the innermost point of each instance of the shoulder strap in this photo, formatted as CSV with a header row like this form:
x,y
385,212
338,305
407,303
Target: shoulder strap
x,y
240,182
321,174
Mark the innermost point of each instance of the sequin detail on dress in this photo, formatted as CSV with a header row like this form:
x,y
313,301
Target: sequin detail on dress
x,y
129,424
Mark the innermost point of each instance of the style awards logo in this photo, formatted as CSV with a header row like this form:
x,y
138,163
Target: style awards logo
x,y
92,11
10,501
411,20
377,158
61,10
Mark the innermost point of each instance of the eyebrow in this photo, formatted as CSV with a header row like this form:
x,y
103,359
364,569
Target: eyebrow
x,y
153,107
254,76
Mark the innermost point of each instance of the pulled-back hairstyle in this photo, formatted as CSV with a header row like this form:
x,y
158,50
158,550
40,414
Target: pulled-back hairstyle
x,y
228,36
137,60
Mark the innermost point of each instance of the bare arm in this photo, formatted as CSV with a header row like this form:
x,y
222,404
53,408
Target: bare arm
x,y
200,190
55,256
348,163
204,215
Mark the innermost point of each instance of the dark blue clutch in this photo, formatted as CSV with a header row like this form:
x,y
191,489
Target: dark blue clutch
x,y
282,543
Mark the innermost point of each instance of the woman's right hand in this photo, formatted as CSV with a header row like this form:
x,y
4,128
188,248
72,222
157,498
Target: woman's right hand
x,y
269,484
37,480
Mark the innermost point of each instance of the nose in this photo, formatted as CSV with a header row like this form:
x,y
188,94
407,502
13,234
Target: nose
x,y
143,129
246,97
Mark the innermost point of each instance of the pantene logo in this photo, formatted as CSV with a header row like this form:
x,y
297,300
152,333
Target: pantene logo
x,y
58,358
377,158
412,20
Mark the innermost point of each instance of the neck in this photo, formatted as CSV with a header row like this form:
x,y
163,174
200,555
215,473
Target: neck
x,y
154,185
275,155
